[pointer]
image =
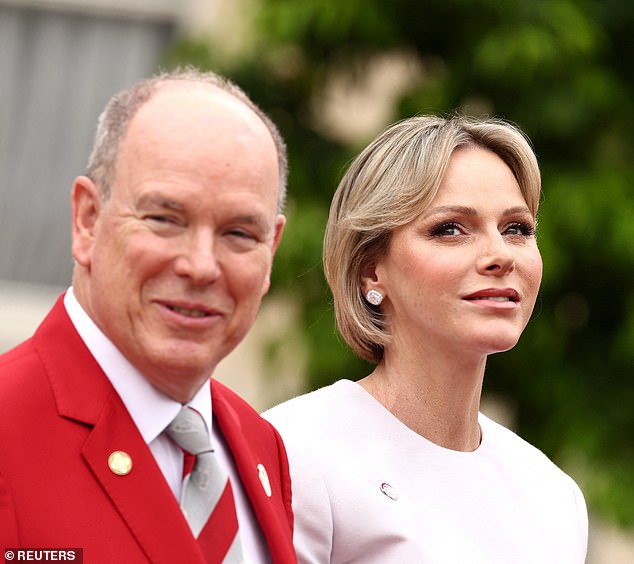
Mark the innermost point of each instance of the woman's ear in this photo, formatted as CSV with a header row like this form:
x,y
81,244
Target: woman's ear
x,y
369,278
86,204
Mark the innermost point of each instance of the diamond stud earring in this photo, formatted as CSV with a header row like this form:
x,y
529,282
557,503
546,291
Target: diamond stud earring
x,y
374,297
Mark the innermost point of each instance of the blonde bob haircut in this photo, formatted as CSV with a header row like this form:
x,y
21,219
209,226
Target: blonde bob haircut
x,y
389,184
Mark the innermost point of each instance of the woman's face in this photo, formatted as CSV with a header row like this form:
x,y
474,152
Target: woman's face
x,y
463,277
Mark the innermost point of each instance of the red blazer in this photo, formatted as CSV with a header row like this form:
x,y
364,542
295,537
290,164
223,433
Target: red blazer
x,y
60,419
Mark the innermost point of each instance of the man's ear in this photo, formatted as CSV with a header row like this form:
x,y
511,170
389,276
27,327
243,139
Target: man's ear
x,y
86,204
280,221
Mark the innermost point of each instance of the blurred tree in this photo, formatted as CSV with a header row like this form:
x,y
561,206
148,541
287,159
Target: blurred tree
x,y
562,70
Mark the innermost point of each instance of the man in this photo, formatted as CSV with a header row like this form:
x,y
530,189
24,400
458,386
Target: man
x,y
174,230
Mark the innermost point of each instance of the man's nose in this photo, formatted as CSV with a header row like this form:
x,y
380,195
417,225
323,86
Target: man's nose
x,y
197,260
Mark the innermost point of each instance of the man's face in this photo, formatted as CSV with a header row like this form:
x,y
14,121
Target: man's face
x,y
174,264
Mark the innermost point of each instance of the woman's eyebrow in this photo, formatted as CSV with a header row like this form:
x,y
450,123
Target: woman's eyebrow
x,y
467,210
462,210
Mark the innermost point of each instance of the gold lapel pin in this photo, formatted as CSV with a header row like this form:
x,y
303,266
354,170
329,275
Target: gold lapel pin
x,y
264,480
120,463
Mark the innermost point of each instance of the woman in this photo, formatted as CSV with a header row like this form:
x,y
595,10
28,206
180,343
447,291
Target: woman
x,y
431,256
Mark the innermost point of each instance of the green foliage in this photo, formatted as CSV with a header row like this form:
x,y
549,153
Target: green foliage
x,y
562,70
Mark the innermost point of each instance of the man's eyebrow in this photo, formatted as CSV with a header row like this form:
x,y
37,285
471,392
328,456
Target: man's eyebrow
x,y
158,200
256,220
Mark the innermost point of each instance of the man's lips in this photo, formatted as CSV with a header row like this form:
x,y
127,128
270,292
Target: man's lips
x,y
189,312
195,311
494,294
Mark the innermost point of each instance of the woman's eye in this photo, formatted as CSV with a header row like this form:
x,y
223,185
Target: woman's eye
x,y
520,228
449,229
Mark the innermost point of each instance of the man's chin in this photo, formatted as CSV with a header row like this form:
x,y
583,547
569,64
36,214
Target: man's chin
x,y
180,383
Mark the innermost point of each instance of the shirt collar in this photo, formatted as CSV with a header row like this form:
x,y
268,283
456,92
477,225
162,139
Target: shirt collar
x,y
151,410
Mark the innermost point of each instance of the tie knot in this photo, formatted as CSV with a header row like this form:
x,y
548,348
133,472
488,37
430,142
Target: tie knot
x,y
188,431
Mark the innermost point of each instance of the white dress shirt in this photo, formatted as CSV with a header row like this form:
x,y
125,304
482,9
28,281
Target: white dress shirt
x,y
152,411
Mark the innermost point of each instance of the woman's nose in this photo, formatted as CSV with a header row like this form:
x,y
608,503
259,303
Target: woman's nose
x,y
496,258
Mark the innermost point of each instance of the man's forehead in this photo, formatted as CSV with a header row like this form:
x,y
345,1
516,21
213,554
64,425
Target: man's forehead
x,y
191,113
184,97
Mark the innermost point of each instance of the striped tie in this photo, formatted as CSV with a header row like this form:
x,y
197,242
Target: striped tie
x,y
207,498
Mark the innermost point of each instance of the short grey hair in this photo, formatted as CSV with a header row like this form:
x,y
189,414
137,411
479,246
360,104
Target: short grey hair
x,y
389,184
122,107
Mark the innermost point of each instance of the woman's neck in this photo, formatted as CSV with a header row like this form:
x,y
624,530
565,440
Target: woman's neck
x,y
438,399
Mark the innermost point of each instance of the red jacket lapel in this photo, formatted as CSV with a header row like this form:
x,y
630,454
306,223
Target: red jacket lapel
x,y
142,497
244,432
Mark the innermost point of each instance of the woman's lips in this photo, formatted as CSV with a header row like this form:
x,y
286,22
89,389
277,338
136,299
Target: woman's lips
x,y
494,295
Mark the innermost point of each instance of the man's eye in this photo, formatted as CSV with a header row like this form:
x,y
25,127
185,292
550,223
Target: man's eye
x,y
242,239
161,218
241,234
